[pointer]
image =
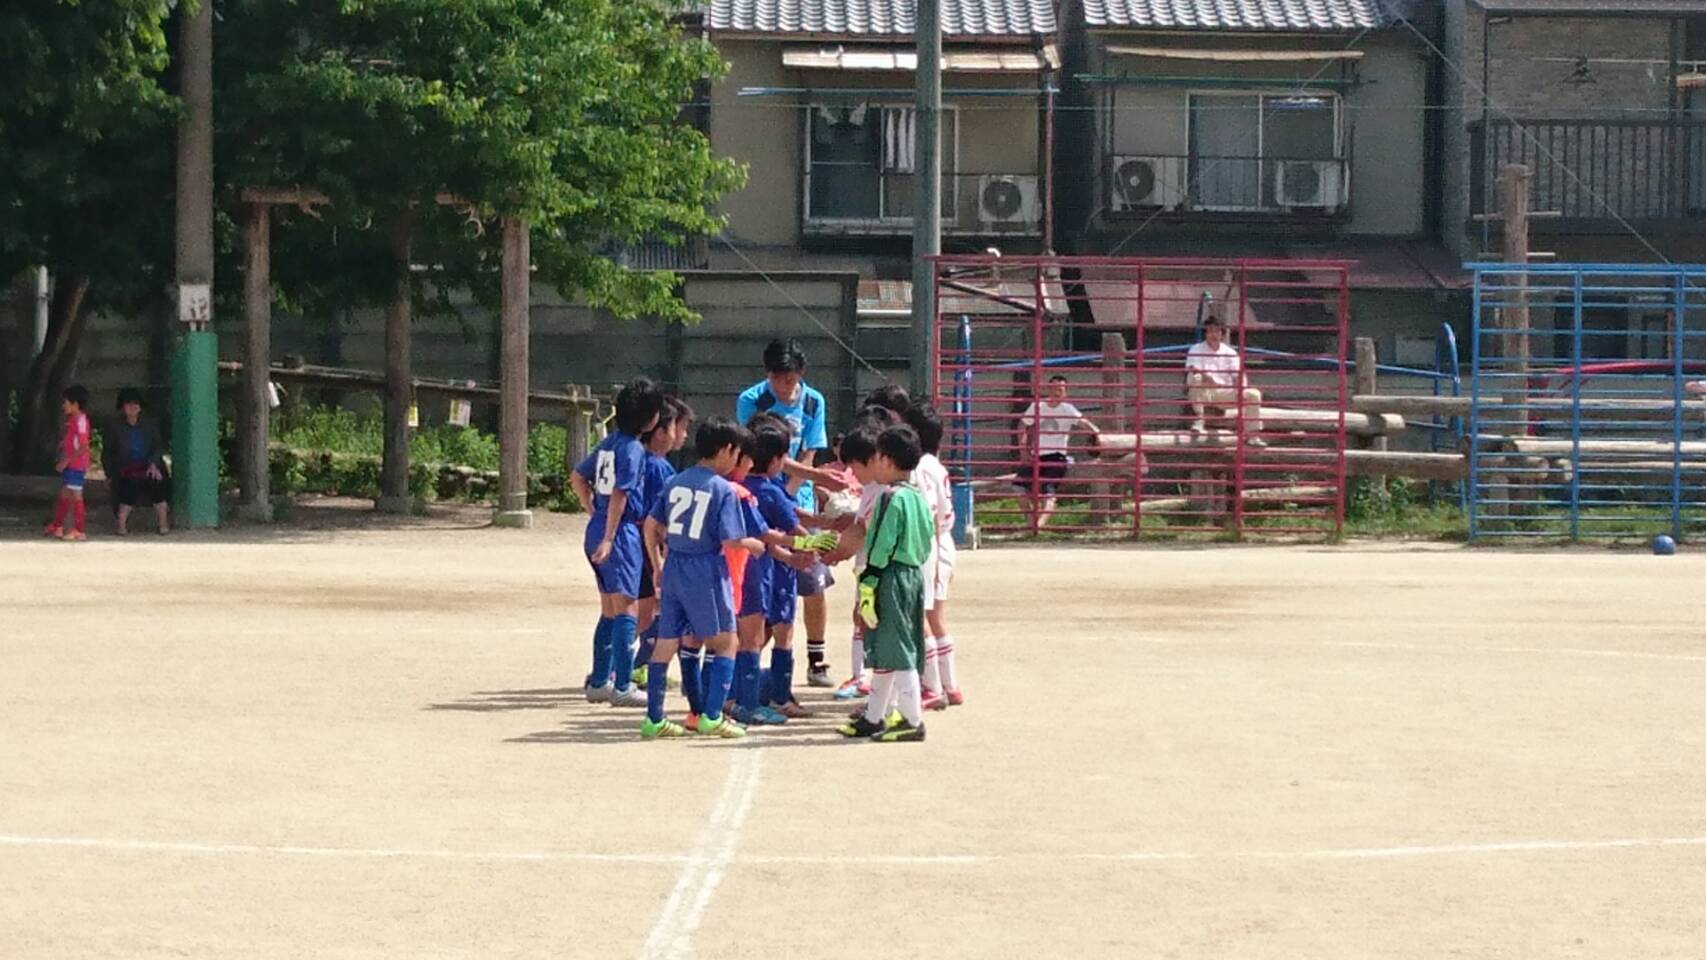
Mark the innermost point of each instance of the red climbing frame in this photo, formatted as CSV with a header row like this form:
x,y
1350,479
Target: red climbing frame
x,y
1117,330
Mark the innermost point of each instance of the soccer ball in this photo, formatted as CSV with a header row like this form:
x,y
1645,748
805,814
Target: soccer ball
x,y
1664,546
838,505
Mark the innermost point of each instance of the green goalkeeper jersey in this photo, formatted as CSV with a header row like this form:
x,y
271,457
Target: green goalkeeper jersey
x,y
901,529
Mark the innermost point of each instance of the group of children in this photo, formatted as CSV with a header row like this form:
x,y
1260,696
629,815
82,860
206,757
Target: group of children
x,y
703,566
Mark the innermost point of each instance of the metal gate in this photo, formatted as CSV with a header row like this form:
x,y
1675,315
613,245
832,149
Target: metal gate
x,y
1583,421
1170,443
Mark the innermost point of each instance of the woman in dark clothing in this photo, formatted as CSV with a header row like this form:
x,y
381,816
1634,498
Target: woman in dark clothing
x,y
133,455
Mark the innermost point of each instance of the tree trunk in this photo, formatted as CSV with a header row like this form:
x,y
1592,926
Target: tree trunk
x,y
399,374
39,416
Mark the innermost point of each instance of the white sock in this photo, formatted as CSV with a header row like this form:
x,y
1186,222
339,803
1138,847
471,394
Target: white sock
x,y
882,688
945,663
911,703
932,680
857,656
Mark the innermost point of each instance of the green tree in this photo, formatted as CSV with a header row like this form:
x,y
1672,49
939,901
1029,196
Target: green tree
x,y
85,174
562,112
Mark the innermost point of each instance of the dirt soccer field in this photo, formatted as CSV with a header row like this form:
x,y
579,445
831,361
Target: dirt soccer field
x,y
364,743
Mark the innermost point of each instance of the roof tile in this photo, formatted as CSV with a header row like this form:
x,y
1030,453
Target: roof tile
x,y
1291,15
881,18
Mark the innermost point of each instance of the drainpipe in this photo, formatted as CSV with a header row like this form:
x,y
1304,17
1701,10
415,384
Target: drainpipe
x,y
1048,165
44,294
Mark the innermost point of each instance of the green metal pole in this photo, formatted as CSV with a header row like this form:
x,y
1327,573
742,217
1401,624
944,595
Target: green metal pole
x,y
195,363
195,428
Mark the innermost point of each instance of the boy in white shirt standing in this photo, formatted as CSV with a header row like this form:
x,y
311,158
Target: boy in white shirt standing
x,y
1214,376
1048,424
941,687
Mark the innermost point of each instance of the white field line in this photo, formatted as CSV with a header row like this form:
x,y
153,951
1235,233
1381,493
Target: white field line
x,y
1162,641
714,854
375,853
684,909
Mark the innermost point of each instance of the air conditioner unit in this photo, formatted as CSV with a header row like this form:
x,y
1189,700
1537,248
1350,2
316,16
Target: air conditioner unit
x,y
1309,184
1145,183
1004,198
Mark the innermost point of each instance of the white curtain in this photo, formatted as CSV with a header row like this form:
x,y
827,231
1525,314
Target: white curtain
x,y
900,146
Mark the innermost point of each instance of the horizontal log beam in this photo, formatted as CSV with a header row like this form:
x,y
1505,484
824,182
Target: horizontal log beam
x,y
1416,406
368,380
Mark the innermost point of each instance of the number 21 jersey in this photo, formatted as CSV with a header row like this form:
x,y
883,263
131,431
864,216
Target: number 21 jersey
x,y
699,511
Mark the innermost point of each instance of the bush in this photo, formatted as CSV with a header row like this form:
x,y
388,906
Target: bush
x,y
333,451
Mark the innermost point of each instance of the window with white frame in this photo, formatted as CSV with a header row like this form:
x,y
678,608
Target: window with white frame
x,y
1245,146
859,160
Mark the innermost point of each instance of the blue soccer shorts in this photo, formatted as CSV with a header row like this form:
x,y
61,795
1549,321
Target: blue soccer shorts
x,y
755,586
620,572
72,479
815,581
784,589
696,599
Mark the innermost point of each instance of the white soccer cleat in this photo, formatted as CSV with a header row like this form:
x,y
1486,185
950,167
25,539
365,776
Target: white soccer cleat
x,y
597,694
631,697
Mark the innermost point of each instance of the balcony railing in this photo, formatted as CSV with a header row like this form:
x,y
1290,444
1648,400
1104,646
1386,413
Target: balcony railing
x,y
858,200
1592,172
1230,185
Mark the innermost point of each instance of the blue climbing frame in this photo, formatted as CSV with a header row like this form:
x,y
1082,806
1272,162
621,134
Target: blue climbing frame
x,y
1582,420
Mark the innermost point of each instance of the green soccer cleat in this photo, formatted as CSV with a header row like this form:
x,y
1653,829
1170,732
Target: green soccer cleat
x,y
639,676
901,732
859,728
721,727
665,729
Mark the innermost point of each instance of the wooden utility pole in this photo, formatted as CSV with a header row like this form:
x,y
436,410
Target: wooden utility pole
x,y
513,373
926,193
1513,190
399,376
255,408
1367,383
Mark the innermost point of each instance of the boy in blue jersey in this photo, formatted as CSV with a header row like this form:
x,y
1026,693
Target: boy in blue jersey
x,y
786,545
668,436
695,519
611,481
776,505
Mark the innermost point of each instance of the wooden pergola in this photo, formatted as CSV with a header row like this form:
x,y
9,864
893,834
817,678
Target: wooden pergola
x,y
255,407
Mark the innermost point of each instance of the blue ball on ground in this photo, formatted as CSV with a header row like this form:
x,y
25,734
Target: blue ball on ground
x,y
1664,546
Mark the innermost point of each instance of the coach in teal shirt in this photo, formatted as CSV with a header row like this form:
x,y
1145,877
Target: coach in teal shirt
x,y
783,391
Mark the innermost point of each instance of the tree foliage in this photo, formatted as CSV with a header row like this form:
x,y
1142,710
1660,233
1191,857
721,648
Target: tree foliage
x,y
561,112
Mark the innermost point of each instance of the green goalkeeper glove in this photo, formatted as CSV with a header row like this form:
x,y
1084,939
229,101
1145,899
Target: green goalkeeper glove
x,y
868,603
817,542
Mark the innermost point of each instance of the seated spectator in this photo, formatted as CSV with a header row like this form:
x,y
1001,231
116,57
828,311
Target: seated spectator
x,y
133,456
1214,377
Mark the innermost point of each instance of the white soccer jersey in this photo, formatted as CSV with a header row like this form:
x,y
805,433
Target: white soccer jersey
x,y
933,482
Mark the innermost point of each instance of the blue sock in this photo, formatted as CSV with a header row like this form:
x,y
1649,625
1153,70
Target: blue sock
x,y
622,650
718,679
657,684
600,653
691,683
746,674
781,676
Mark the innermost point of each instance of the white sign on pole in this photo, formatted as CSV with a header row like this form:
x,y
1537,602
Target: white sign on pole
x,y
195,303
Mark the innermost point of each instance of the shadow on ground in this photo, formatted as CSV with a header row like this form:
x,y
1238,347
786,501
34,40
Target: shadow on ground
x,y
597,723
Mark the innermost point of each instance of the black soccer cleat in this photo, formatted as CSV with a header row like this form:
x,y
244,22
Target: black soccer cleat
x,y
860,728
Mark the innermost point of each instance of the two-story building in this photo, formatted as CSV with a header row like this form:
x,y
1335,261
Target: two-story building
x,y
1277,129
818,104
1601,101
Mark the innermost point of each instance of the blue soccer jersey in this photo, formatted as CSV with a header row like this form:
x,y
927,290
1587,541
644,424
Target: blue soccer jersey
x,y
808,414
699,512
617,463
657,474
755,583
